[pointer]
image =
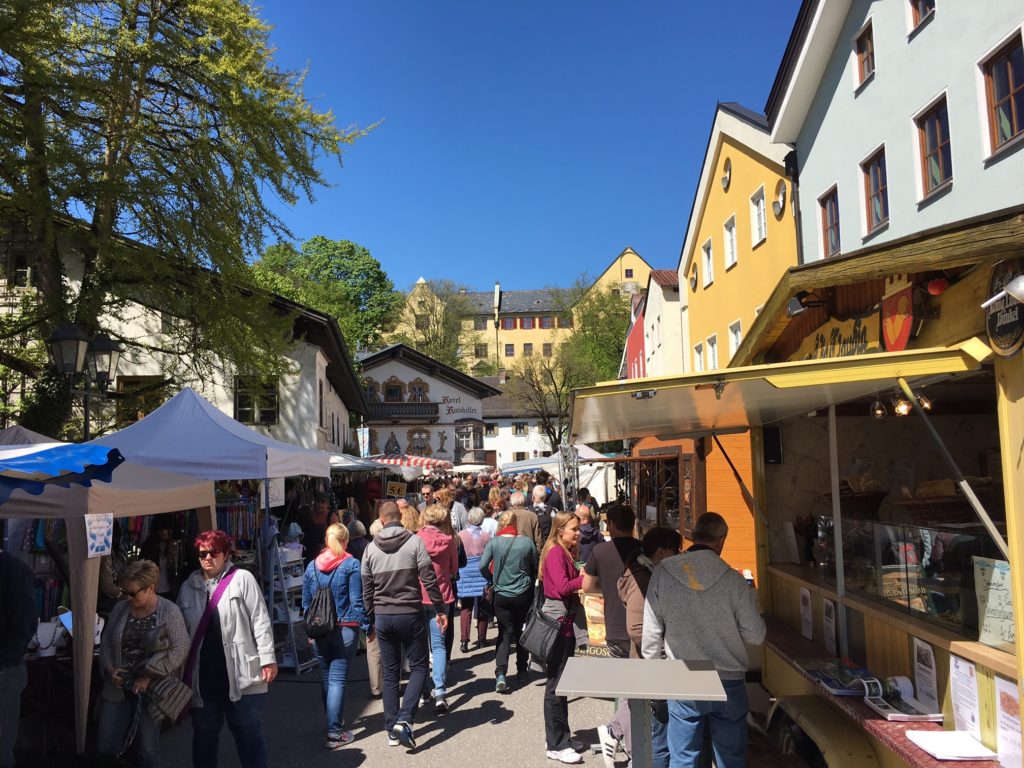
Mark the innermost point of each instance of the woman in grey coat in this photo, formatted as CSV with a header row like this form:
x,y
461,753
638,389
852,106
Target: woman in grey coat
x,y
143,641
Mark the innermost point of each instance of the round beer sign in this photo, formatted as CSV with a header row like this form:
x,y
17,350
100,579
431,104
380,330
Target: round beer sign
x,y
1005,318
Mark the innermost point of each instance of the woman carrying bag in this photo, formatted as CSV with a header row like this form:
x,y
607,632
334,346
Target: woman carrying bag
x,y
509,562
231,660
144,641
561,581
337,570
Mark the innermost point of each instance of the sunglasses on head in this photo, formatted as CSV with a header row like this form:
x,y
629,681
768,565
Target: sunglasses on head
x,y
205,553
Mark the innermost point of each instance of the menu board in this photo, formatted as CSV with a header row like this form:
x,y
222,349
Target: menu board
x,y
995,602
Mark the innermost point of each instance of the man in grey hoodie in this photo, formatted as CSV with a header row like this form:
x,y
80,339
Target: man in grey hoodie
x,y
698,608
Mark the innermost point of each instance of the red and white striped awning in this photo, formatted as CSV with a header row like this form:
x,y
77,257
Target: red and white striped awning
x,y
412,461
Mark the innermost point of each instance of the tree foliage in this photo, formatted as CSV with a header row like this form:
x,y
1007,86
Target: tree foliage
x,y
541,387
339,278
436,322
146,135
600,323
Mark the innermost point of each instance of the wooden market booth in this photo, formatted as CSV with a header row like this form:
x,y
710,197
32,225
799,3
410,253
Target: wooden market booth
x,y
865,329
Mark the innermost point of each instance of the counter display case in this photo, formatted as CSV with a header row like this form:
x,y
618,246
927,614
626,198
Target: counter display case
x,y
929,571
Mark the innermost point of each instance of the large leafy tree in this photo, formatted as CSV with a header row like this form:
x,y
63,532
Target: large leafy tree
x,y
600,322
339,278
542,388
145,135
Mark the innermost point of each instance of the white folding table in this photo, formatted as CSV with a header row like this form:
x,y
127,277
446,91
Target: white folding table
x,y
640,681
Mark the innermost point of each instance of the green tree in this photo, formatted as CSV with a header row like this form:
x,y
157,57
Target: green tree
x,y
600,323
541,387
438,322
146,135
339,278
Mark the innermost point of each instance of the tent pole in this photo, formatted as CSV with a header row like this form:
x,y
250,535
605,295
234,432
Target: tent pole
x,y
958,476
747,495
85,576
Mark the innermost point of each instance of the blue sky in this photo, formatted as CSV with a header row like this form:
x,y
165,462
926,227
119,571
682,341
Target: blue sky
x,y
520,141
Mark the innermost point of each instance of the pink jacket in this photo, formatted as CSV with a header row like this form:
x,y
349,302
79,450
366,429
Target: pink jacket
x,y
444,555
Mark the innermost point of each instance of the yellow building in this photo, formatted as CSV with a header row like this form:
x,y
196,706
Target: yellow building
x,y
502,327
740,238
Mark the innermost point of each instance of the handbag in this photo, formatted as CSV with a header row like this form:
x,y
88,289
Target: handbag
x,y
540,633
167,698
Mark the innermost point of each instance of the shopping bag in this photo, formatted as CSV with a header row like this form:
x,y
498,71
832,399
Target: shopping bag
x,y
540,633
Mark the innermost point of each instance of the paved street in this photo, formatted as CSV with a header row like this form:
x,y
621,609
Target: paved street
x,y
509,728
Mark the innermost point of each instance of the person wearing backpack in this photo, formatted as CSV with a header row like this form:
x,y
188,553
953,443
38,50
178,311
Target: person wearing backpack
x,y
332,603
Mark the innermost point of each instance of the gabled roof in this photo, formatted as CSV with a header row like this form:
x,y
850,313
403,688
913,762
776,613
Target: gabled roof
x,y
744,127
666,278
810,46
622,253
428,365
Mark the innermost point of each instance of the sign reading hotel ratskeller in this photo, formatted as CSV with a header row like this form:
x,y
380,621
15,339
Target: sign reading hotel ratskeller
x,y
1005,321
841,338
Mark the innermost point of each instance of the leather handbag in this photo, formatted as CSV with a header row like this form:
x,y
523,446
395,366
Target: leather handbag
x,y
540,633
167,698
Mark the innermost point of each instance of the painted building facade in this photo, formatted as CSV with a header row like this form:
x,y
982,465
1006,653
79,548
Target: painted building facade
x,y
740,237
420,407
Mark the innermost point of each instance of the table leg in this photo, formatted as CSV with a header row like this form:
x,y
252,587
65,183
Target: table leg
x,y
640,729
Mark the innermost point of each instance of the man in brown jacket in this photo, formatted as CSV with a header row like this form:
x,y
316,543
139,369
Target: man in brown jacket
x,y
526,519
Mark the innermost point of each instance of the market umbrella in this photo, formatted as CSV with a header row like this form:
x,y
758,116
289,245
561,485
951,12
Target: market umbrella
x,y
403,460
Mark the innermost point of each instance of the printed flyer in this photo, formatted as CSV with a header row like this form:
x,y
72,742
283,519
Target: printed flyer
x,y
99,532
963,680
1008,742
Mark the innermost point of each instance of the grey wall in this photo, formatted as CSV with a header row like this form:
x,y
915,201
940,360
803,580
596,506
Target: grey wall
x,y
844,126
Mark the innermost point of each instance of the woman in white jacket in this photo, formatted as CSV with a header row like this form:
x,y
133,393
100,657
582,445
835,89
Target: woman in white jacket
x,y
231,660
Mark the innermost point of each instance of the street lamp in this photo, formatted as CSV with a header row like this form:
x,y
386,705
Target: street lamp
x,y
74,353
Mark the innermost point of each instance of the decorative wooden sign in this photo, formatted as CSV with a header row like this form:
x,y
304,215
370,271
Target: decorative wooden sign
x,y
897,319
1005,321
842,338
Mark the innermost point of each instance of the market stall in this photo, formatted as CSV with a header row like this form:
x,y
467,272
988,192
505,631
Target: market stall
x,y
866,579
133,490
596,472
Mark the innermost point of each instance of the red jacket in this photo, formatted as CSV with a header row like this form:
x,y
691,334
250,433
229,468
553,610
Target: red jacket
x,y
444,554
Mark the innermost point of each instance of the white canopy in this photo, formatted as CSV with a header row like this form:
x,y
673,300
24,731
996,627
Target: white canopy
x,y
133,491
599,479
189,436
342,462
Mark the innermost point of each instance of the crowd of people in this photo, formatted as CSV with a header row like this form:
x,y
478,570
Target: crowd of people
x,y
485,551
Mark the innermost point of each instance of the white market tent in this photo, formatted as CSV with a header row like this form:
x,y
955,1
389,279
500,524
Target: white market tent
x,y
133,491
190,436
598,478
342,462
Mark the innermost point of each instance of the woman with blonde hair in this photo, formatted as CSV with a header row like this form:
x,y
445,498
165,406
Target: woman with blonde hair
x,y
444,556
410,516
338,570
561,581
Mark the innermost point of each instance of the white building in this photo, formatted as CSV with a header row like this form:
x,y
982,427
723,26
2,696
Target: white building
x,y
420,407
663,335
508,434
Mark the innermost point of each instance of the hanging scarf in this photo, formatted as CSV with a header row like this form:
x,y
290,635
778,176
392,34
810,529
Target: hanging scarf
x,y
509,530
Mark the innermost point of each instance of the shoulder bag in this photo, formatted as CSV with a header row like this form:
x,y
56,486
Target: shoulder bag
x,y
204,623
540,633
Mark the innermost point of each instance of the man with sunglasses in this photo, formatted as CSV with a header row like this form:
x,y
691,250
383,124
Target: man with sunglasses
x,y
232,660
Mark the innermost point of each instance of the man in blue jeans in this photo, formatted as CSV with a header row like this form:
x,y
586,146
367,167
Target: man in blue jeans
x,y
698,607
393,566
17,625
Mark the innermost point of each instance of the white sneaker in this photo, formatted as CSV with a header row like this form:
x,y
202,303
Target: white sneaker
x,y
567,755
609,745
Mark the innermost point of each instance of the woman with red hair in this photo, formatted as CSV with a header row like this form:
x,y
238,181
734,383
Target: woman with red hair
x,y
231,660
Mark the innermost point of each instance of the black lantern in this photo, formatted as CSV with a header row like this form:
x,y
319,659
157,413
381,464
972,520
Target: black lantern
x,y
68,344
104,354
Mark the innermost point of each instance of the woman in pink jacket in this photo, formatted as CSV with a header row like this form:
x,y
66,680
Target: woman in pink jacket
x,y
444,554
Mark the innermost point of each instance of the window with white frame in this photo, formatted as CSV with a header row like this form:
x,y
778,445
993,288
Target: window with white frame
x,y
735,337
256,400
1004,92
709,265
729,232
758,221
520,428
712,343
698,357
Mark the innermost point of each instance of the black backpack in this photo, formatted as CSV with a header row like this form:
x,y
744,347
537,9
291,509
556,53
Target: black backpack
x,y
322,615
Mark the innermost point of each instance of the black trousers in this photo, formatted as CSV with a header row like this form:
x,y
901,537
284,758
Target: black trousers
x,y
556,708
511,614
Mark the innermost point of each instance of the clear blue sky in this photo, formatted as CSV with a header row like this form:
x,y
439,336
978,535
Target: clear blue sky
x,y
522,141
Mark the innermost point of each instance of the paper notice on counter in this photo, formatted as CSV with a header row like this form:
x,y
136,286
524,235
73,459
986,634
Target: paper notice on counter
x,y
995,602
99,531
924,675
1008,741
963,681
806,617
828,625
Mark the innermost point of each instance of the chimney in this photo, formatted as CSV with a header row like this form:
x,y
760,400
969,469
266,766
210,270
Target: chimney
x,y
502,376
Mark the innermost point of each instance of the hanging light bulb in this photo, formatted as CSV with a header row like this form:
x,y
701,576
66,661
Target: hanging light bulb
x,y
901,406
878,409
924,402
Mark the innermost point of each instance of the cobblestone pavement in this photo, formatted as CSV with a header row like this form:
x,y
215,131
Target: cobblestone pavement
x,y
482,727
